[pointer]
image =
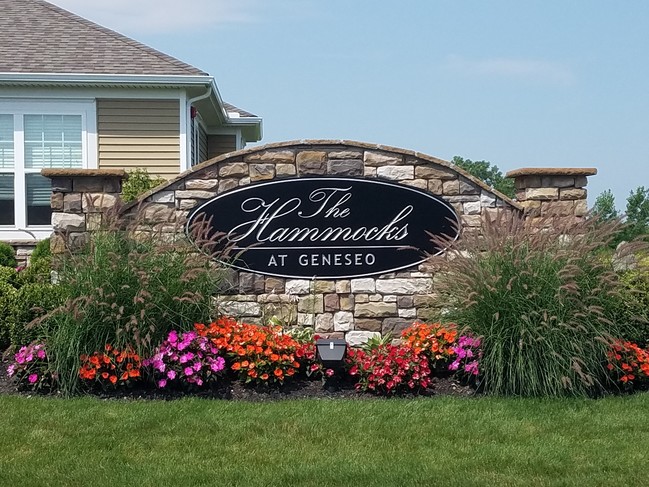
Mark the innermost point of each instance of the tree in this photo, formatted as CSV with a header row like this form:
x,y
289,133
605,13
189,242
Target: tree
x,y
636,216
487,172
604,206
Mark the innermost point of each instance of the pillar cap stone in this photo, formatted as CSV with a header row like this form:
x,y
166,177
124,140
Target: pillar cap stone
x,y
552,171
72,173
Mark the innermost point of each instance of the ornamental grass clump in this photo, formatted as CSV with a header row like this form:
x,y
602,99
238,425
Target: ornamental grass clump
x,y
542,298
129,287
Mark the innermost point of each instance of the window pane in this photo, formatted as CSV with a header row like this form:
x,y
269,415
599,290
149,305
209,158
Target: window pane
x,y
6,141
6,199
38,190
53,141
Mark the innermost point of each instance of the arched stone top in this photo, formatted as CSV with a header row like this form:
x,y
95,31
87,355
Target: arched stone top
x,y
299,158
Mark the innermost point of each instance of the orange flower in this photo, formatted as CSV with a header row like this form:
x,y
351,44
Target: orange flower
x,y
274,357
104,375
236,366
278,373
263,376
124,376
134,373
113,379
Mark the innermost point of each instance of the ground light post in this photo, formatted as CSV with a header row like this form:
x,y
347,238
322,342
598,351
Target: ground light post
x,y
332,354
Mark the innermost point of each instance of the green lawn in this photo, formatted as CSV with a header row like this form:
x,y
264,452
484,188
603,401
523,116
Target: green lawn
x,y
439,441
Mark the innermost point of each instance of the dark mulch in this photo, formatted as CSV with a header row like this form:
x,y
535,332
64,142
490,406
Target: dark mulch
x,y
233,390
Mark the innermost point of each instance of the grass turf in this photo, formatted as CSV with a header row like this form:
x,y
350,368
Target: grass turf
x,y
440,441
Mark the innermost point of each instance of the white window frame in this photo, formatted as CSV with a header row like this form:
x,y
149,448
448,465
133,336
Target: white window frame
x,y
19,108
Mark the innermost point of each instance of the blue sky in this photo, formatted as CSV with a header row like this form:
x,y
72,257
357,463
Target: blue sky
x,y
517,83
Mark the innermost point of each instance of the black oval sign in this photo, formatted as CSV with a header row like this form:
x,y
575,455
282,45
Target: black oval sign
x,y
326,228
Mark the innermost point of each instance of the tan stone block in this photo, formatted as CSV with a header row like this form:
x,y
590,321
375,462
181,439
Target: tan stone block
x,y
471,220
373,158
93,222
581,207
346,302
311,304
324,286
68,222
397,173
57,244
361,298
195,194
225,185
158,213
310,156
324,323
541,193
56,201
204,184
375,309
369,172
557,208
186,204
451,187
467,187
97,202
72,202
274,285
275,156
285,170
435,186
532,207
572,194
233,169
262,172
343,287
417,183
434,172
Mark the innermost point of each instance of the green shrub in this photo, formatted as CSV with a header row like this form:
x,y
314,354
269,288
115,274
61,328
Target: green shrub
x,y
636,303
7,292
37,271
7,255
30,302
42,250
128,289
138,182
545,303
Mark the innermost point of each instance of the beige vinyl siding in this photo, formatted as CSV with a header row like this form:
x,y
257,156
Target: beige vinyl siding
x,y
139,134
220,144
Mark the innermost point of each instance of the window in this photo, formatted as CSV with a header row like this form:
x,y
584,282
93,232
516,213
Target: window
x,y
34,136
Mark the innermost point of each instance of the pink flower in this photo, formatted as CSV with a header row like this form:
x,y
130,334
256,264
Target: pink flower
x,y
171,374
329,372
162,383
11,370
32,378
189,371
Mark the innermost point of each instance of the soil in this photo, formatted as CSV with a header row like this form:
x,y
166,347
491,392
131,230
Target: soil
x,y
226,390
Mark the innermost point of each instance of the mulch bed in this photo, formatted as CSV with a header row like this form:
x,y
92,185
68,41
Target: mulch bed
x,y
226,390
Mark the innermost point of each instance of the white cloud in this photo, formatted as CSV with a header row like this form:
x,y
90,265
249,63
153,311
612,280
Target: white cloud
x,y
529,69
162,15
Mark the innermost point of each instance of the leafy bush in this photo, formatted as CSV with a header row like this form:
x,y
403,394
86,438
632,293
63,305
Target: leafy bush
x,y
41,250
7,292
27,306
636,302
545,304
138,182
128,288
7,255
187,360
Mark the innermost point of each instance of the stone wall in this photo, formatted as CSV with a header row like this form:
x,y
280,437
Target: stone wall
x,y
355,309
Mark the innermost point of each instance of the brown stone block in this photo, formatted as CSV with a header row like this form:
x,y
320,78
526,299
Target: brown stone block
x,y
581,181
557,208
532,207
345,167
405,301
251,283
558,181
346,302
376,159
395,326
262,172
233,169
274,285
202,184
324,286
87,185
375,309
62,185
331,302
430,171
346,154
285,170
581,207
312,162
366,324
96,202
467,187
225,185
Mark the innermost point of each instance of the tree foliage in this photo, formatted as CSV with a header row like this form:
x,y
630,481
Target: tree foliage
x,y
636,215
489,173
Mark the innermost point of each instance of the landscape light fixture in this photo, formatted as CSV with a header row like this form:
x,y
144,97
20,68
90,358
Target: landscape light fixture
x,y
332,353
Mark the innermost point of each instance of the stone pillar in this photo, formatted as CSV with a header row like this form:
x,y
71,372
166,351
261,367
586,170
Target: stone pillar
x,y
80,199
549,191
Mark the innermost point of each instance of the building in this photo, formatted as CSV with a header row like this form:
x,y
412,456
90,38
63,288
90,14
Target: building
x,y
74,94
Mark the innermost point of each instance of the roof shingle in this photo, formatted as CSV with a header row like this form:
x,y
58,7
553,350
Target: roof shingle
x,y
38,37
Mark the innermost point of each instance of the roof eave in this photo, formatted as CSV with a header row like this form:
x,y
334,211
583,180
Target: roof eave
x,y
105,79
